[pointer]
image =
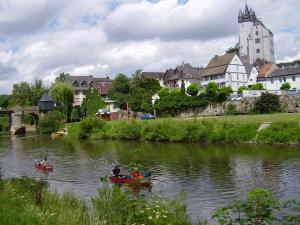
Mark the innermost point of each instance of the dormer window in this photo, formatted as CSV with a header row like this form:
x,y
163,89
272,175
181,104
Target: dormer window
x,y
75,84
83,83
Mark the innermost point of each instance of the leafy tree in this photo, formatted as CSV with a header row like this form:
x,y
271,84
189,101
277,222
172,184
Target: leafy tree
x,y
93,102
223,94
37,91
267,103
63,94
211,90
193,89
241,89
182,88
232,50
62,77
21,94
120,90
51,122
75,115
163,92
257,86
175,92
4,101
285,86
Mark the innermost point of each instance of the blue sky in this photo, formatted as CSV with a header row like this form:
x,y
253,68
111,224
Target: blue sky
x,y
41,38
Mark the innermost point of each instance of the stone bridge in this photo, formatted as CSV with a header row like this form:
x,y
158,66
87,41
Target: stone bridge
x,y
16,117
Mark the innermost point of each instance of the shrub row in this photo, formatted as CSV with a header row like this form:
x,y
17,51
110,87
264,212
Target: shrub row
x,y
170,130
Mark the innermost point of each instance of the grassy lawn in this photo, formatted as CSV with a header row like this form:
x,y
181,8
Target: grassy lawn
x,y
277,117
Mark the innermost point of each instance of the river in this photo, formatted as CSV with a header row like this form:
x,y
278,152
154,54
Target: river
x,y
211,175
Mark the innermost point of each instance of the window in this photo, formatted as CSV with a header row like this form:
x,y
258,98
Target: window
x,y
293,78
284,79
272,81
258,50
237,67
280,80
237,76
257,40
256,32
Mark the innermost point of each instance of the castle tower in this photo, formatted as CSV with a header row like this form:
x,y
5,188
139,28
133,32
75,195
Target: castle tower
x,y
255,40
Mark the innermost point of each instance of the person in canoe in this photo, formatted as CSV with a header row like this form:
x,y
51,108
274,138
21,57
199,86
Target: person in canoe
x,y
135,173
116,171
44,162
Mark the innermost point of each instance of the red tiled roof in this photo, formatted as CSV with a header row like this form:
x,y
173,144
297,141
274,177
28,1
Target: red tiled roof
x,y
265,69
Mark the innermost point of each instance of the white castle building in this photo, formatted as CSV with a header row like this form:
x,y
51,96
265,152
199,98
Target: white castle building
x,y
255,41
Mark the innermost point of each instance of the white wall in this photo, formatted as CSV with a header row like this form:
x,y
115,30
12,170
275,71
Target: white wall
x,y
276,82
245,29
253,76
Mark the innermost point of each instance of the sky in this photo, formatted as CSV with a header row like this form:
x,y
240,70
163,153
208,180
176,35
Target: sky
x,y
40,38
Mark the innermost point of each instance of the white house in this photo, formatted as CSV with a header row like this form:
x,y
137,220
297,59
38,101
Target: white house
x,y
226,70
255,39
274,80
252,74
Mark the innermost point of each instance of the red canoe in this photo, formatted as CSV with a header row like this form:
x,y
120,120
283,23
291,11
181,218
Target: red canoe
x,y
128,179
44,168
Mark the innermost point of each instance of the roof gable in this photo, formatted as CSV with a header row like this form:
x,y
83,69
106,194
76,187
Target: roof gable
x,y
218,64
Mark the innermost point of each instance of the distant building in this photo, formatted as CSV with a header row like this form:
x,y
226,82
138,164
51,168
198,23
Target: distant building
x,y
275,78
159,76
255,39
82,84
227,71
183,73
102,85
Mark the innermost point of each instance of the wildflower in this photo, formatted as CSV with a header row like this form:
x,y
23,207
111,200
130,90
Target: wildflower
x,y
22,196
52,214
157,206
142,211
149,217
157,212
164,216
148,208
157,216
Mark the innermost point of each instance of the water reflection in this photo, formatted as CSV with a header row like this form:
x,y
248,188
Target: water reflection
x,y
211,175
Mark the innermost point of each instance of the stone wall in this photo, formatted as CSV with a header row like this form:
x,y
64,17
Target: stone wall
x,y
290,103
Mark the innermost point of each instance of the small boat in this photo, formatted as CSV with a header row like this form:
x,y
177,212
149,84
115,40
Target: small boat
x,y
57,134
44,167
123,179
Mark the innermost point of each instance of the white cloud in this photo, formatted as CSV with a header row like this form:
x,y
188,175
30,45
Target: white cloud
x,y
40,39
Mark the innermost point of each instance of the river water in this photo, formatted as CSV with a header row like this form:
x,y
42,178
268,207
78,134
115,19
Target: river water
x,y
211,175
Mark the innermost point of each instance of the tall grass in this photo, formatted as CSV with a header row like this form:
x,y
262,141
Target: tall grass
x,y
112,206
169,130
281,132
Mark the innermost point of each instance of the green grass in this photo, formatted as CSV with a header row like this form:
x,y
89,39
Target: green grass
x,y
24,201
285,128
276,117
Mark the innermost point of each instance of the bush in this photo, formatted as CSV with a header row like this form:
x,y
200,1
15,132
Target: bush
x,y
267,103
257,86
285,86
4,123
29,119
75,115
241,89
193,89
51,122
90,125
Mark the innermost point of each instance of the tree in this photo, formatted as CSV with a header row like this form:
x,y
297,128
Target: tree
x,y
193,89
211,90
241,89
182,88
163,92
51,122
232,50
63,94
37,91
21,94
285,86
4,101
257,86
267,103
75,115
92,102
120,90
223,94
62,77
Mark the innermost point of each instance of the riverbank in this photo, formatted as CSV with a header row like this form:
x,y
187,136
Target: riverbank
x,y
26,201
204,130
